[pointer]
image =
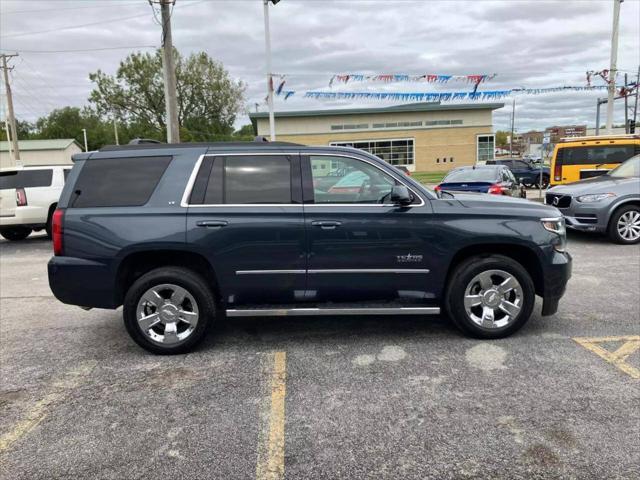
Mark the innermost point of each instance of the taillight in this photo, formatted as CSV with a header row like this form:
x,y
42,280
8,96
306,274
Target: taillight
x,y
21,197
437,188
56,231
557,172
496,189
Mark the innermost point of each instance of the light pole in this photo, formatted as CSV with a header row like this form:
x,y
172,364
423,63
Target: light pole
x,y
84,133
267,42
612,67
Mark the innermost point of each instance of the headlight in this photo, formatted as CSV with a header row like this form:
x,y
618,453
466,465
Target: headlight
x,y
556,225
594,197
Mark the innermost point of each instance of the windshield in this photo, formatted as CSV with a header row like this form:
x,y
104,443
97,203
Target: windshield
x,y
630,168
472,175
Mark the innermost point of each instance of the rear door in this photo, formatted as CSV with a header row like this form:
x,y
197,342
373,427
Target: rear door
x,y
245,215
362,247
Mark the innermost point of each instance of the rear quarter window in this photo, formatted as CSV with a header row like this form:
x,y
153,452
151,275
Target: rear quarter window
x,y
26,178
118,182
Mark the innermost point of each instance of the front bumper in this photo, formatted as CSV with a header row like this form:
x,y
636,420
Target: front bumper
x,y
81,282
585,217
556,276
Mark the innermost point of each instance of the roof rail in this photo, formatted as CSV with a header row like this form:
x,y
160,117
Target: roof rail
x,y
162,146
626,136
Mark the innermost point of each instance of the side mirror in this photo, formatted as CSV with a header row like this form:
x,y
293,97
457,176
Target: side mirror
x,y
400,195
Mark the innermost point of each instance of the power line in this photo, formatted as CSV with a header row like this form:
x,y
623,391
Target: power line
x,y
80,49
101,6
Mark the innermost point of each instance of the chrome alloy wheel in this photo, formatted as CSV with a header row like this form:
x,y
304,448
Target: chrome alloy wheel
x,y
629,225
167,314
493,299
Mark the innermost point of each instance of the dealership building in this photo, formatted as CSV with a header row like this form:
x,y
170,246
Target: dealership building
x,y
422,136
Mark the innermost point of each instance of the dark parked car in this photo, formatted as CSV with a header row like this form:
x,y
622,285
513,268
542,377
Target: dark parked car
x,y
180,235
607,204
527,173
494,179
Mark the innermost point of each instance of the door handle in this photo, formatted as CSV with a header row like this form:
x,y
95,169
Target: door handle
x,y
212,223
326,224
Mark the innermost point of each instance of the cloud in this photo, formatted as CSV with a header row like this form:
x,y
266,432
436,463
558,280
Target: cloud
x,y
527,43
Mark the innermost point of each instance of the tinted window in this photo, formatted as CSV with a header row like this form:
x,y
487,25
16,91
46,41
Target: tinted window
x,y
260,179
118,182
595,155
472,175
243,180
347,180
26,178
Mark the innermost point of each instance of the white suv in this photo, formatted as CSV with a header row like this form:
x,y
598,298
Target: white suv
x,y
28,197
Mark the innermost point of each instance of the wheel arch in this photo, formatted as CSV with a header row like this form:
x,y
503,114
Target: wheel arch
x,y
136,264
522,254
623,203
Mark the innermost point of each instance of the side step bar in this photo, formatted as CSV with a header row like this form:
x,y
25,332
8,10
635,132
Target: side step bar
x,y
309,312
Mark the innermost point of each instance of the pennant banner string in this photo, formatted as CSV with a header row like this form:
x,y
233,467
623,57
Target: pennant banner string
x,y
434,96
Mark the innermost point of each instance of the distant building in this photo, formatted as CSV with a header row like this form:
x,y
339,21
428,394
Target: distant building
x,y
420,136
41,152
603,131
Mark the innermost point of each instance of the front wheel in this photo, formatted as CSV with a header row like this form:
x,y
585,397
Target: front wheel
x,y
545,182
624,226
15,234
168,310
490,296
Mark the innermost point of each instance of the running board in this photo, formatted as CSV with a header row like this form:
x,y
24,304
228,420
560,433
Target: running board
x,y
312,312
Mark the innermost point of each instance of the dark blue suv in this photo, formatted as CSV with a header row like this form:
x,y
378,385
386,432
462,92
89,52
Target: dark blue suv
x,y
181,235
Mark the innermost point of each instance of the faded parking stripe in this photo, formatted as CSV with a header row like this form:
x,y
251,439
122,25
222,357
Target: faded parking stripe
x,y
631,344
38,412
271,440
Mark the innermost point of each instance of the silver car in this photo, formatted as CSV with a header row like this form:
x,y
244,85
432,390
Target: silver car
x,y
608,204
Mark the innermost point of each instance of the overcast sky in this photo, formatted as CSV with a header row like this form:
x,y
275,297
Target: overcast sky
x,y
526,43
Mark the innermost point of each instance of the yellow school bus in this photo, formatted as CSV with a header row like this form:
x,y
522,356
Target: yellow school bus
x,y
576,158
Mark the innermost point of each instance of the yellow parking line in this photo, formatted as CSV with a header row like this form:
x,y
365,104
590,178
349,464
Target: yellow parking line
x,y
271,442
38,412
619,356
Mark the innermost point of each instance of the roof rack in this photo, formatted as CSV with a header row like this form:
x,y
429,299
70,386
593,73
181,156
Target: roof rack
x,y
602,137
160,146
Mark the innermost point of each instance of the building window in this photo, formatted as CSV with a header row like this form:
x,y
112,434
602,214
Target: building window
x,y
450,159
437,160
395,152
350,126
485,147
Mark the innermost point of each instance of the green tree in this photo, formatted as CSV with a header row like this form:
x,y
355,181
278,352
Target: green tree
x,y
68,122
208,99
245,132
23,127
501,138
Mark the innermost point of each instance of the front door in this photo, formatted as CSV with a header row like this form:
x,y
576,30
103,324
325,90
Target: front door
x,y
245,215
362,247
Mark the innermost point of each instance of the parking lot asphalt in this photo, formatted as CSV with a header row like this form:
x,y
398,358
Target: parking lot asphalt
x,y
372,397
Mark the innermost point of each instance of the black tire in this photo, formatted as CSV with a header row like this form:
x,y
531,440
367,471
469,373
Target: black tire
x,y
194,284
461,278
613,232
545,182
15,234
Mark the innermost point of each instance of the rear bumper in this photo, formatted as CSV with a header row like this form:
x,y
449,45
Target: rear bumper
x,y
556,276
81,282
29,216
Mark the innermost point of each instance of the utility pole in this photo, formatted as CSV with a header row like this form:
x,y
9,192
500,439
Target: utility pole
x,y
613,67
267,42
169,69
513,121
626,106
635,107
10,113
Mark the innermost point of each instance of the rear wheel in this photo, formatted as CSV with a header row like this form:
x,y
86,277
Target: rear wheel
x,y
624,226
545,182
15,233
490,296
169,310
